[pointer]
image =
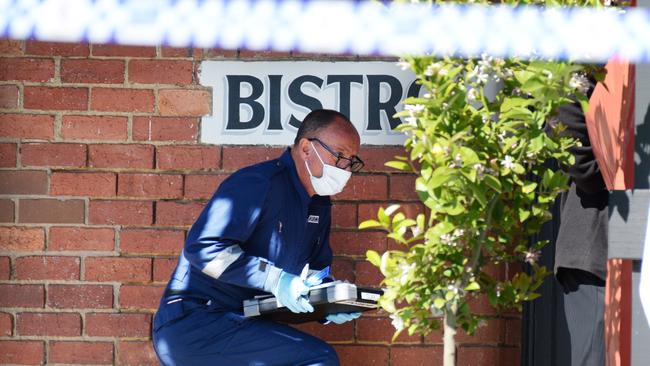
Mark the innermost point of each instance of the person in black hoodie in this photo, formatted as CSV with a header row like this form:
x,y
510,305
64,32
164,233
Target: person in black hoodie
x,y
581,245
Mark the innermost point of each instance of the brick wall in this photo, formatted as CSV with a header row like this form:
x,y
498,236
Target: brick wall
x,y
101,175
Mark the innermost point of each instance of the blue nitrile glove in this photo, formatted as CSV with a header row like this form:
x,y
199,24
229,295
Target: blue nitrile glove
x,y
340,318
290,292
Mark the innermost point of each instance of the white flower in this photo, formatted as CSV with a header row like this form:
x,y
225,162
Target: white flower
x,y
508,162
548,74
472,95
458,161
443,72
406,269
532,257
427,95
480,169
397,322
579,82
432,69
414,108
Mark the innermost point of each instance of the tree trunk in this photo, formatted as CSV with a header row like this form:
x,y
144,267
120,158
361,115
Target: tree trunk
x,y
449,340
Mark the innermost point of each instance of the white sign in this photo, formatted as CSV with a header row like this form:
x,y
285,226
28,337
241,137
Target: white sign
x,y
263,103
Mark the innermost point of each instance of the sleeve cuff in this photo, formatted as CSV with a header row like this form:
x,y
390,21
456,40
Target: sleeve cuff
x,y
272,278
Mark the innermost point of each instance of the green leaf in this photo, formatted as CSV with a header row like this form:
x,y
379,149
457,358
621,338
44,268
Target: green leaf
x,y
523,214
369,224
528,188
479,193
492,182
473,286
399,165
440,176
373,257
439,303
449,295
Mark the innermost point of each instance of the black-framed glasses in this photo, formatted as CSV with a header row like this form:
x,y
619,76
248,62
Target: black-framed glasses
x,y
354,163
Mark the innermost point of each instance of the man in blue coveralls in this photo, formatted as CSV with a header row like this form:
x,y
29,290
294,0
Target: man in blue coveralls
x,y
263,225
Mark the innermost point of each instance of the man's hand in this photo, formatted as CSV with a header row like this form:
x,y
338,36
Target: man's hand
x,y
290,292
340,318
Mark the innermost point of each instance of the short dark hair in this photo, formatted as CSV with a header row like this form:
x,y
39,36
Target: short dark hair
x,y
317,120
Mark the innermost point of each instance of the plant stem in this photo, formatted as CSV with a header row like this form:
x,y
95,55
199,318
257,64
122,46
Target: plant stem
x,y
449,341
476,253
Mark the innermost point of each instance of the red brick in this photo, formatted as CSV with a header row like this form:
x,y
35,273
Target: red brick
x,y
23,182
177,51
98,128
479,304
178,213
47,268
22,296
402,187
89,353
368,211
53,155
6,325
266,55
22,352
510,356
55,98
188,157
122,100
163,268
56,49
145,241
26,69
493,331
48,324
118,269
121,212
202,186
184,102
329,332
513,332
51,211
218,53
10,47
367,274
118,325
375,157
355,355
371,329
160,72
83,184
128,51
344,215
165,129
8,155
409,356
6,211
478,356
150,185
21,239
81,239
121,156
9,96
5,268
27,126
236,157
92,71
435,337
365,188
136,353
80,296
140,297
357,242
343,269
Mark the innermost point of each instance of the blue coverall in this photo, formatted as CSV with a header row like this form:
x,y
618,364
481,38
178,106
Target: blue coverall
x,y
260,221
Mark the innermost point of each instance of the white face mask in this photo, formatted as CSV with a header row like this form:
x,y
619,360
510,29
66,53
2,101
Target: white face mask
x,y
332,181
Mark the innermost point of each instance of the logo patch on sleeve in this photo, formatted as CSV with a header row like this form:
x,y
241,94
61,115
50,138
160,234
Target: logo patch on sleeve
x,y
313,219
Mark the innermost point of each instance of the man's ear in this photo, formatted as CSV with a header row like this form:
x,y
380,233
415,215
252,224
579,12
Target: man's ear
x,y
303,147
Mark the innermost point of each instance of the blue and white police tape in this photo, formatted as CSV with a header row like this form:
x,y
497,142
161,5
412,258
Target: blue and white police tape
x,y
358,27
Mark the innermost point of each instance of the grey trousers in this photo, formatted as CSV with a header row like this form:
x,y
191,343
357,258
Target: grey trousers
x,y
584,308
